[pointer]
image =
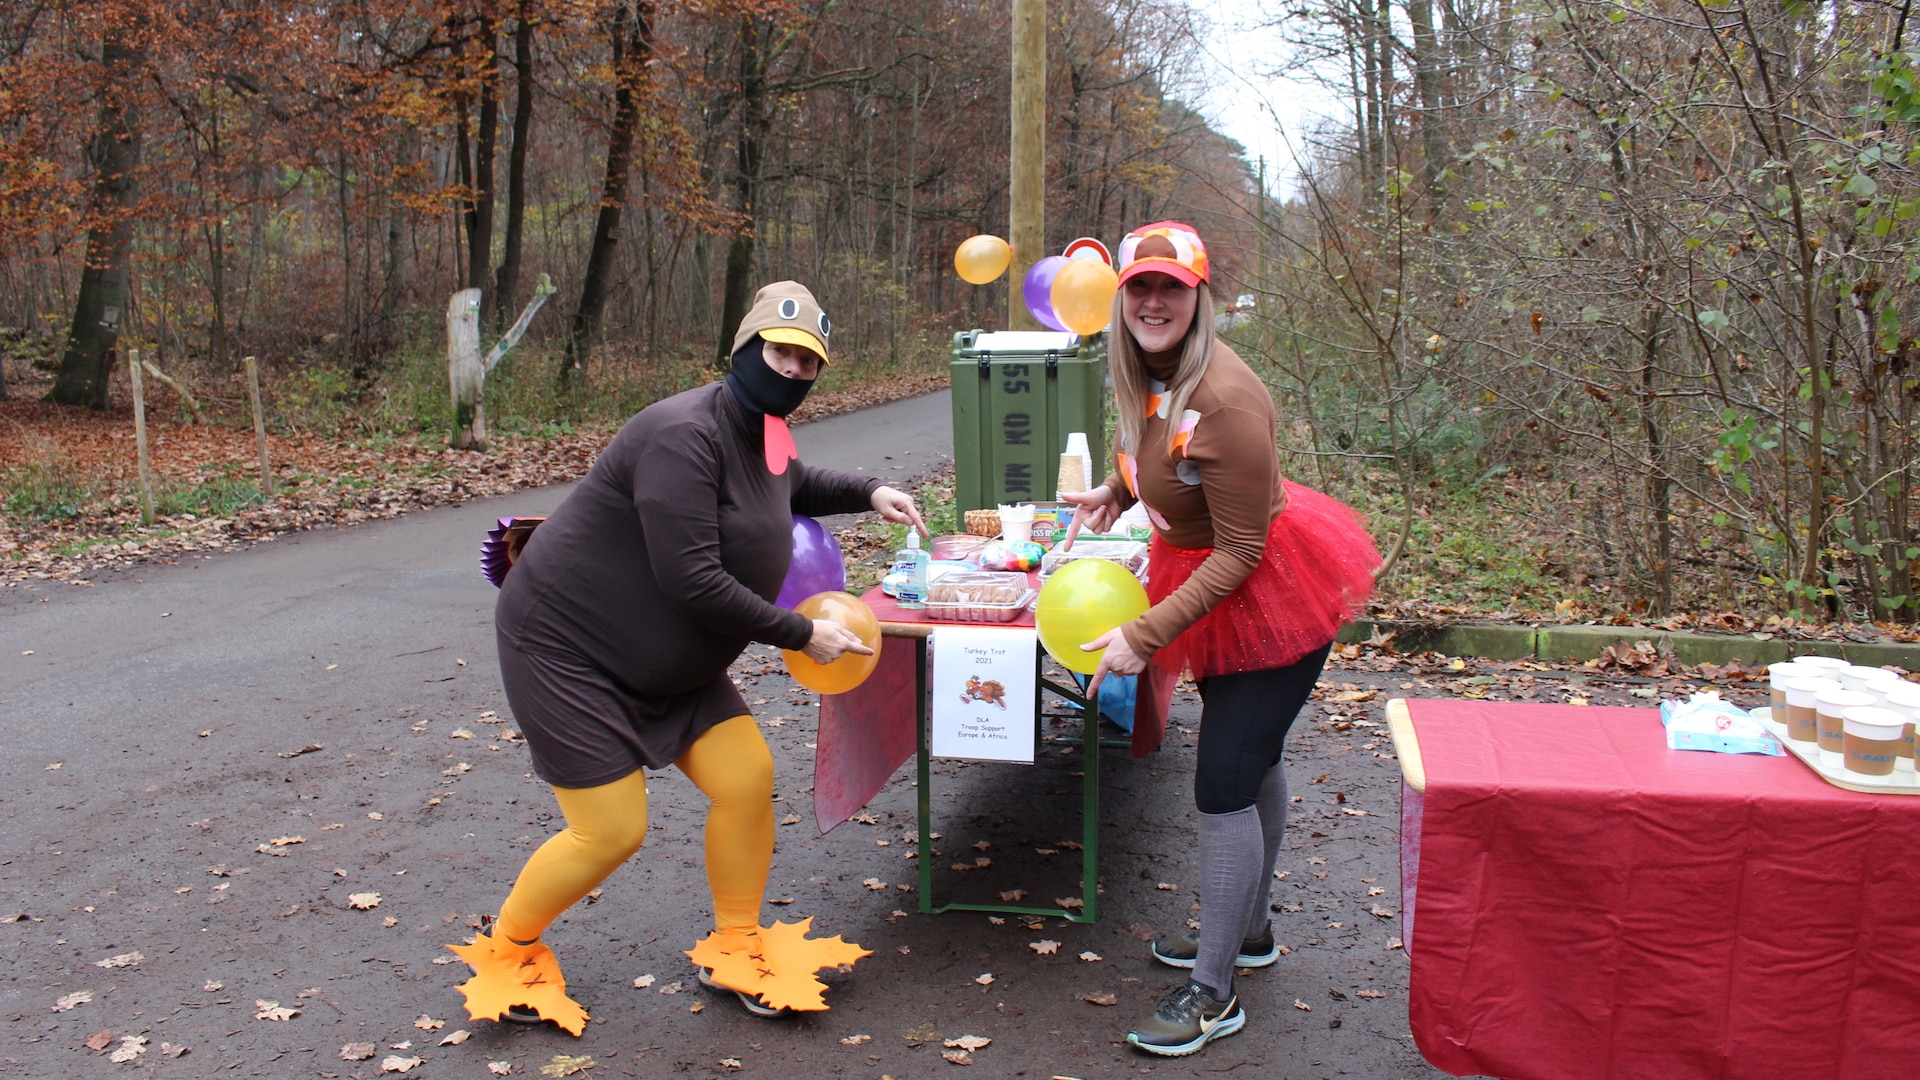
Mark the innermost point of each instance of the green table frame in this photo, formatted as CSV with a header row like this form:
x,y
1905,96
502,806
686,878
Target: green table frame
x,y
1090,743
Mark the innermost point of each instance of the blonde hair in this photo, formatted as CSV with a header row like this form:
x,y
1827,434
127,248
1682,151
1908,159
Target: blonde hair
x,y
1130,376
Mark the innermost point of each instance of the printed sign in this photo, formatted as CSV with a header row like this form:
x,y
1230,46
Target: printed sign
x,y
984,682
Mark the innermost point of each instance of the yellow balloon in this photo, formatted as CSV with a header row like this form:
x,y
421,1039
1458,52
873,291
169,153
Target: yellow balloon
x,y
980,259
1083,295
1081,601
851,669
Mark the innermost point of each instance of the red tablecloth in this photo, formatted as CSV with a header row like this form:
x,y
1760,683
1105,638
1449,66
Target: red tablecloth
x,y
868,733
1592,904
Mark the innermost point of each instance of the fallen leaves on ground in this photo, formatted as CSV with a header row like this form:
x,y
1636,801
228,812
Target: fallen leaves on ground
x,y
364,901
874,884
272,1010
126,959
567,1065
1044,948
499,1068
643,982
856,1040
1102,998
68,1001
356,1052
100,1040
131,1046
957,1057
1301,1005
1090,957
396,1064
969,1043
985,978
428,1023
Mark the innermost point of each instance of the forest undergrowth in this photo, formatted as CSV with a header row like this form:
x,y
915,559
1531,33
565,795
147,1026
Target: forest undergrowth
x,y
1507,546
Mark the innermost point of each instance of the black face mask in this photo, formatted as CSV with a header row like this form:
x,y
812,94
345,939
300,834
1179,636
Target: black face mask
x,y
760,388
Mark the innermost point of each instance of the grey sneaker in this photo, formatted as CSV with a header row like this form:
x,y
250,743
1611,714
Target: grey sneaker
x,y
750,1002
1180,951
1187,1019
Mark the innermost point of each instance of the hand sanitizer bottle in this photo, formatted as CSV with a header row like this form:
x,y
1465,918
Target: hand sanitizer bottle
x,y
910,563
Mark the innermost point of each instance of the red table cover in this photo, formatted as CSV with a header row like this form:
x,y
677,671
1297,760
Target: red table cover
x,y
867,733
1592,904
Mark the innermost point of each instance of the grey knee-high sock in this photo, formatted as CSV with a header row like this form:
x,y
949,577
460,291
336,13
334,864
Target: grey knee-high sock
x,y
1273,829
1230,854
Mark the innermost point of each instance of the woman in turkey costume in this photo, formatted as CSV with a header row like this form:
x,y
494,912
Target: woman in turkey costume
x,y
616,627
1252,576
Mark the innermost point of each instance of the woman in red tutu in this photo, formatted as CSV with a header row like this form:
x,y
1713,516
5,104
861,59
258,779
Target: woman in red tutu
x,y
1251,577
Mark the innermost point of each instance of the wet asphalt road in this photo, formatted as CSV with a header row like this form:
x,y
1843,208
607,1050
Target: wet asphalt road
x,y
205,763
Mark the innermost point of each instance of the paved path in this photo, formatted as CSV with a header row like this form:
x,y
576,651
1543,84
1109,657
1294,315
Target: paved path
x,y
204,763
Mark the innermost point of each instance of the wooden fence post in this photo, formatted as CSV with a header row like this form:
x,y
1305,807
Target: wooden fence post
x,y
259,426
140,435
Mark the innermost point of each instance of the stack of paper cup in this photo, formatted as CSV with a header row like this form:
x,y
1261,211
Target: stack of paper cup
x,y
1073,475
1083,459
1778,673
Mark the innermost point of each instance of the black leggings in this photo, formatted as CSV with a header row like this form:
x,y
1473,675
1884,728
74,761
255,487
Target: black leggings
x,y
1243,728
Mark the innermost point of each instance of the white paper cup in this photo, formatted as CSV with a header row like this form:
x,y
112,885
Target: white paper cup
x,y
1826,665
1830,707
1905,699
1854,676
1778,673
1016,523
1871,740
1802,693
1879,681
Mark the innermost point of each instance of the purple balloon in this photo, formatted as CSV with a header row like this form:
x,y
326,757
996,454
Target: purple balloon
x,y
816,567
1038,290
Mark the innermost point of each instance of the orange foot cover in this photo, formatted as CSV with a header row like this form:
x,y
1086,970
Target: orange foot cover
x,y
777,963
506,974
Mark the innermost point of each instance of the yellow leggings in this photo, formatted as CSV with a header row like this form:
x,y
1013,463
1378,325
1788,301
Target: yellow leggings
x,y
730,763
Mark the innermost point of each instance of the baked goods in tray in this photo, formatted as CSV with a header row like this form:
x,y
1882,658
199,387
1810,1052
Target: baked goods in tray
x,y
1128,553
979,598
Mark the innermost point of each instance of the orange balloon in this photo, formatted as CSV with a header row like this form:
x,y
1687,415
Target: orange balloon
x,y
980,259
1083,295
851,669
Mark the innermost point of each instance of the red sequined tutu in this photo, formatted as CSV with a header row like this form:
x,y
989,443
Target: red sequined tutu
x,y
1316,575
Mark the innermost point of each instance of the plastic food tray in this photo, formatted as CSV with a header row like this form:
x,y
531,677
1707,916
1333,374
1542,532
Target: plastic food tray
x,y
979,598
1131,554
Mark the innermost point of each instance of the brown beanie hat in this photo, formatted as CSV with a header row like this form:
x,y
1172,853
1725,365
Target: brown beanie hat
x,y
786,312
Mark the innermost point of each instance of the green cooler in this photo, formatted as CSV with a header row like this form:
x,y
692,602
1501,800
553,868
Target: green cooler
x,y
1016,397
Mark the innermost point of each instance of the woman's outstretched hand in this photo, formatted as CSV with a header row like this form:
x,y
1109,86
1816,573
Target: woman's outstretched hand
x,y
831,641
897,506
1119,659
1094,509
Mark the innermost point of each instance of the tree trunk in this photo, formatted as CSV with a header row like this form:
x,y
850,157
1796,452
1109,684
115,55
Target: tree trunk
x,y
755,119
632,48
480,197
508,282
1426,88
105,284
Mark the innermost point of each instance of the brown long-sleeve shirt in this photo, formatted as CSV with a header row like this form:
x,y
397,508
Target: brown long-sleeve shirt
x,y
1222,491
662,566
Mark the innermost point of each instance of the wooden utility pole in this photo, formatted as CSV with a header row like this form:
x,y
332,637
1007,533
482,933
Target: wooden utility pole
x,y
1027,184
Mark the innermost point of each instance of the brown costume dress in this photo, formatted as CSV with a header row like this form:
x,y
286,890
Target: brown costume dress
x,y
618,622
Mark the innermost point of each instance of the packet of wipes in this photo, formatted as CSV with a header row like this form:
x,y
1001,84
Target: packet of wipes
x,y
1705,722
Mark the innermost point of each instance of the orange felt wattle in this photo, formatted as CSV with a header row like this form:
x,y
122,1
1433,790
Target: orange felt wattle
x,y
776,964
506,975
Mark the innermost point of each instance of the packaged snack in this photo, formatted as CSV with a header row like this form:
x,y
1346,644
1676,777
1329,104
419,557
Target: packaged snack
x,y
1128,553
979,597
